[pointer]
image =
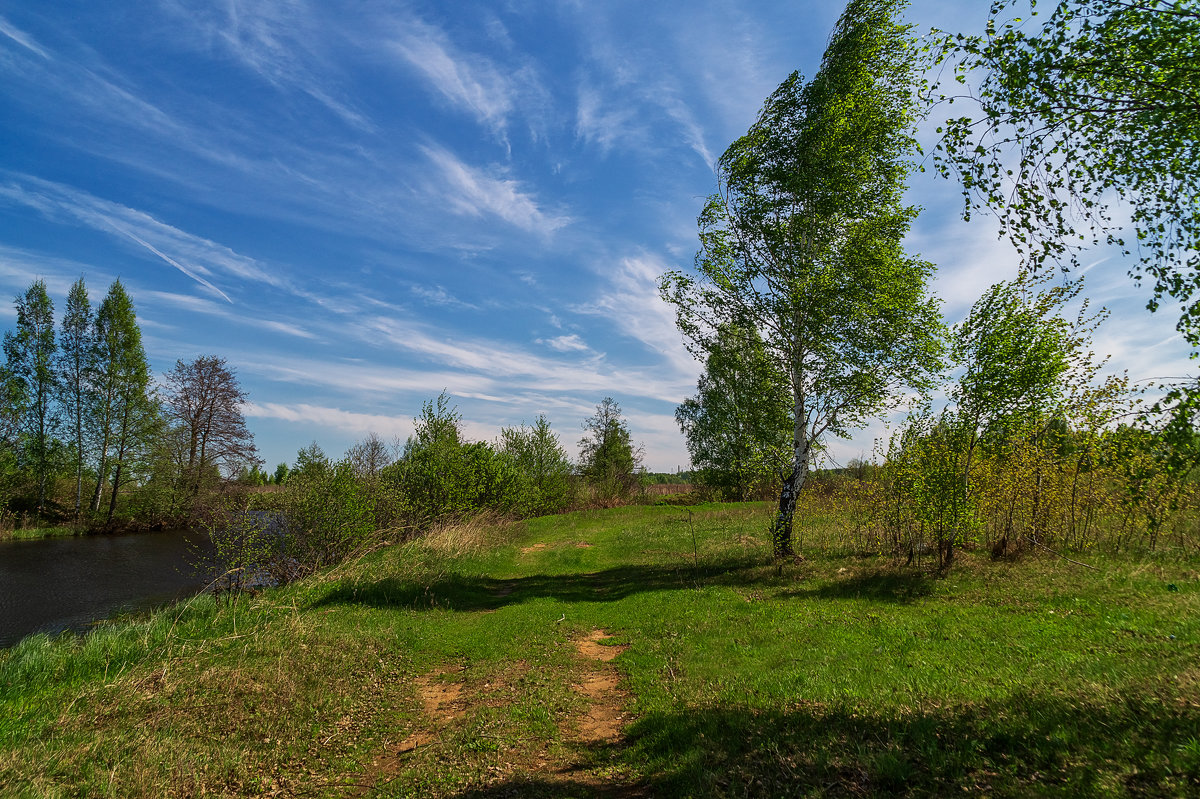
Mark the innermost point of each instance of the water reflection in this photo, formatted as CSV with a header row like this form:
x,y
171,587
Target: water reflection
x,y
61,584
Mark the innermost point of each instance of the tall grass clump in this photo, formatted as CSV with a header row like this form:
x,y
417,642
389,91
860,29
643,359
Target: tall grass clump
x,y
43,662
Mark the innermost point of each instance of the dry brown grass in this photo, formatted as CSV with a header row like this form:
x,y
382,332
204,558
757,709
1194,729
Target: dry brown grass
x,y
472,536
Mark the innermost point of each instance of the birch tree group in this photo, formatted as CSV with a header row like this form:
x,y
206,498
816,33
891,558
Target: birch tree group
x,y
80,400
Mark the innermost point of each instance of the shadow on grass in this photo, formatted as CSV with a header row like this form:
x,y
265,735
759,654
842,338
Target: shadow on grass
x,y
460,592
467,593
1028,746
879,586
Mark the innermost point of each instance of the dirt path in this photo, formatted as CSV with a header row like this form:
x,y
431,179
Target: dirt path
x,y
448,702
606,703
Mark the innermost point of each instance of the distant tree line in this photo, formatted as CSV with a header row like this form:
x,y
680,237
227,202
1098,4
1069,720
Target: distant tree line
x,y
325,510
87,435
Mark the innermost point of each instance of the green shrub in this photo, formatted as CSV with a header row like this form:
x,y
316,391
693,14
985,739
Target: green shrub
x,y
439,476
327,514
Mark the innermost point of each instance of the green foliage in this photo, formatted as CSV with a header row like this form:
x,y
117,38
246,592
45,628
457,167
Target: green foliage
x,y
310,461
926,503
77,365
32,385
607,458
247,550
538,458
1100,103
125,416
680,478
804,242
90,405
1028,453
280,475
439,476
848,676
1016,350
138,413
252,476
738,426
325,516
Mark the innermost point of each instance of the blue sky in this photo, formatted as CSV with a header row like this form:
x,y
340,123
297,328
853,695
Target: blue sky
x,y
360,204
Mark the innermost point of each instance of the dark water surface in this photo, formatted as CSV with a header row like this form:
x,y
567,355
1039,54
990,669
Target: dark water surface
x,y
58,584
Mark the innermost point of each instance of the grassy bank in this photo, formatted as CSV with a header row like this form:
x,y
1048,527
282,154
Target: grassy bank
x,y
35,533
650,651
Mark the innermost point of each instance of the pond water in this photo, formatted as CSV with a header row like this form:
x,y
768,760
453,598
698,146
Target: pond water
x,y
58,584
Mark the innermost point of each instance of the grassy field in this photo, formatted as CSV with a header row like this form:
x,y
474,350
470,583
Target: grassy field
x,y
652,651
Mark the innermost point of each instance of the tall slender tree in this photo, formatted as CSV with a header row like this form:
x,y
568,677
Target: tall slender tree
x,y
136,411
119,376
803,241
29,352
76,369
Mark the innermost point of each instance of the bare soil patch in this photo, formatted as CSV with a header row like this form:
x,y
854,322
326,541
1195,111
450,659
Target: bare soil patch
x,y
591,648
605,717
438,697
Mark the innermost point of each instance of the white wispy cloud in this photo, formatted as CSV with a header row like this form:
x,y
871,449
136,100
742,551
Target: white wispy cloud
x,y
632,118
157,299
20,267
283,42
571,343
22,38
383,380
192,273
473,192
353,422
473,367
438,296
667,74
470,82
603,124
631,303
199,258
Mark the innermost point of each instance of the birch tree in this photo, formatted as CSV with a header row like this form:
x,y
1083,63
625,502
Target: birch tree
x,y
803,242
1082,114
738,426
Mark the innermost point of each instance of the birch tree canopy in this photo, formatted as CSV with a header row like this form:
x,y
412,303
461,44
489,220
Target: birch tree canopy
x,y
803,242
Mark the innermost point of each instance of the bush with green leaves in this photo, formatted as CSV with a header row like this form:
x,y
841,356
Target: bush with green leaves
x,y
327,514
541,464
1035,449
247,550
608,460
440,476
926,502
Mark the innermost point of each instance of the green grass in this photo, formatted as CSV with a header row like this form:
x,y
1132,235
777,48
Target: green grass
x,y
450,667
33,533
